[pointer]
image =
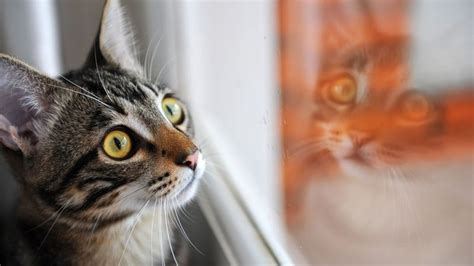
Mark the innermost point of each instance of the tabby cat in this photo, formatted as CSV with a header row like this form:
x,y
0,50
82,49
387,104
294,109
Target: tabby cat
x,y
376,172
103,157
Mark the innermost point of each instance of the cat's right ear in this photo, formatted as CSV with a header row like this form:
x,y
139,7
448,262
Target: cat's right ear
x,y
25,98
114,42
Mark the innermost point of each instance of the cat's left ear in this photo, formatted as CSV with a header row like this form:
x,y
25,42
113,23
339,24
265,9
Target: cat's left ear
x,y
114,42
26,99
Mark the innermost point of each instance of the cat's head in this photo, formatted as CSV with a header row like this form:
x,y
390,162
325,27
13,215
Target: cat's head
x,y
99,141
363,116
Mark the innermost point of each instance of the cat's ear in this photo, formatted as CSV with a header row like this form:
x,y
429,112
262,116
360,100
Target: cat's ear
x,y
25,97
114,42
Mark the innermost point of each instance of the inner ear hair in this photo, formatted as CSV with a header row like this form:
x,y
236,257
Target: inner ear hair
x,y
114,41
25,97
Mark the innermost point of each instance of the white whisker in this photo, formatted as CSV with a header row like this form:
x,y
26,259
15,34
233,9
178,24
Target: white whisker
x,y
160,221
408,190
77,86
145,65
162,69
152,232
46,220
93,230
168,234
303,143
310,149
80,93
131,231
154,53
100,78
181,228
55,221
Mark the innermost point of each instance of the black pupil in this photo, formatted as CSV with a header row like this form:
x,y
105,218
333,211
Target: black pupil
x,y
118,143
168,108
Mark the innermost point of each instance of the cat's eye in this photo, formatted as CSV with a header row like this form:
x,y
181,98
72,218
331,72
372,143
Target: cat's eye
x,y
343,90
415,106
173,110
117,144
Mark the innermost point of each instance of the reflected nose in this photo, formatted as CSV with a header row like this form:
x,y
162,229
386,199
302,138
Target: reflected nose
x,y
190,160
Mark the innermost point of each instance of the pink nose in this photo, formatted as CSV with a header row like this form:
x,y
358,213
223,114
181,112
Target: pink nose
x,y
191,160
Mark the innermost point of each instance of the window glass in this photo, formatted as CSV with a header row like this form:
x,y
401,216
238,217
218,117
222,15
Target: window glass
x,y
335,131
377,109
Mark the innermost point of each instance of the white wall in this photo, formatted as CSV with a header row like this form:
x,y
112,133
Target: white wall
x,y
31,23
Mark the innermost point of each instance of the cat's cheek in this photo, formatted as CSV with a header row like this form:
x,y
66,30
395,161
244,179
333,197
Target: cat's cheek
x,y
131,198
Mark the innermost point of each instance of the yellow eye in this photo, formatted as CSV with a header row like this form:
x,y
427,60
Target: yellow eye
x,y
173,110
343,90
416,107
117,144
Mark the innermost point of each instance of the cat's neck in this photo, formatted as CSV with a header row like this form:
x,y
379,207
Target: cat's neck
x,y
139,239
390,216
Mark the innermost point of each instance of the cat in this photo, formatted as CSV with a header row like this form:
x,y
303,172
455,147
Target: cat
x,y
103,158
375,172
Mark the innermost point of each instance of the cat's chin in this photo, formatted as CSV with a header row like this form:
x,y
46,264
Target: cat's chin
x,y
359,167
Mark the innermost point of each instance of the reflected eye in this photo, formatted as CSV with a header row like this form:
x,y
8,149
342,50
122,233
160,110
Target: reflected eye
x,y
416,107
117,144
343,90
173,110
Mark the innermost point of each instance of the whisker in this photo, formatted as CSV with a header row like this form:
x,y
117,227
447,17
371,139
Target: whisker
x,y
47,220
162,69
309,150
413,212
129,194
145,65
154,53
93,230
160,221
77,86
203,142
181,228
100,78
168,234
131,231
54,223
404,195
216,165
152,233
80,93
302,143
185,213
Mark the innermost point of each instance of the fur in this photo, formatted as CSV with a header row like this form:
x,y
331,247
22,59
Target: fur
x,y
77,204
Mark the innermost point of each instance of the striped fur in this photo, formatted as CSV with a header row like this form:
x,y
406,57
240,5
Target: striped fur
x,y
77,205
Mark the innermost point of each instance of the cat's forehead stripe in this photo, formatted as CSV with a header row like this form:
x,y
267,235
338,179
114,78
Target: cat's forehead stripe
x,y
154,90
119,109
139,127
